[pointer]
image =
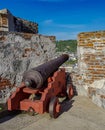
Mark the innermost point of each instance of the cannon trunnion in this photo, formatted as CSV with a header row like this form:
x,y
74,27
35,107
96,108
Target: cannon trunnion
x,y
40,89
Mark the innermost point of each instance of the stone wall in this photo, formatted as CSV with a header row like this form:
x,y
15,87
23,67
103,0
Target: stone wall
x,y
90,76
8,22
52,38
20,52
3,22
22,25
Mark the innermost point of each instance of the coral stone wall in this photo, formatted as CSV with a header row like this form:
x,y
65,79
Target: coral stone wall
x,y
52,38
91,55
18,53
90,76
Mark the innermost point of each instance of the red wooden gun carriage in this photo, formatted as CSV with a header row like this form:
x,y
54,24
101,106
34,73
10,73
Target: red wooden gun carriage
x,y
41,87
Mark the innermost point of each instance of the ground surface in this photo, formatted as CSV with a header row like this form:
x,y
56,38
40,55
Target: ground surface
x,y
78,114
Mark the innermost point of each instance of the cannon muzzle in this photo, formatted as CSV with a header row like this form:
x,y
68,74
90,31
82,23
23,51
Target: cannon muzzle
x,y
35,77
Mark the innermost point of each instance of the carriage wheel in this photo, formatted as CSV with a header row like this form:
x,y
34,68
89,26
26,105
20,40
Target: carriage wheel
x,y
54,107
69,91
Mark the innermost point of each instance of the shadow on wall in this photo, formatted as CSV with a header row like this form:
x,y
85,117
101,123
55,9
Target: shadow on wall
x,y
69,81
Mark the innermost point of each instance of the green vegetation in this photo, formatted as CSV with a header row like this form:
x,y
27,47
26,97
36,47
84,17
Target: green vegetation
x,y
66,45
71,62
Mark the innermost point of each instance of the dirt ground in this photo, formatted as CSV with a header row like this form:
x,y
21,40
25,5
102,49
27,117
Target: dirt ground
x,y
78,114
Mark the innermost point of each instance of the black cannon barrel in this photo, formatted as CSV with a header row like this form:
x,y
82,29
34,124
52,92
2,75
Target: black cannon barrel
x,y
35,77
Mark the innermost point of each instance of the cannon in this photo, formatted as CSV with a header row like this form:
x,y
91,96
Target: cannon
x,y
41,88
35,77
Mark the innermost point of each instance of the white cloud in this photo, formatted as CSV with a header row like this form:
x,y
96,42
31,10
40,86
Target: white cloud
x,y
64,35
48,21
70,25
71,33
67,26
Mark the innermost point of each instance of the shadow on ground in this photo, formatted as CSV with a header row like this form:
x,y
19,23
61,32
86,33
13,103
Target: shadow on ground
x,y
7,115
66,105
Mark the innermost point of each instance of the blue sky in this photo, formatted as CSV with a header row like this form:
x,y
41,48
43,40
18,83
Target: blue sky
x,y
63,18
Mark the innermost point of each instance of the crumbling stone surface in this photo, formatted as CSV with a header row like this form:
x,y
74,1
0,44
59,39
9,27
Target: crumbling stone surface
x,y
97,92
91,56
89,78
20,52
